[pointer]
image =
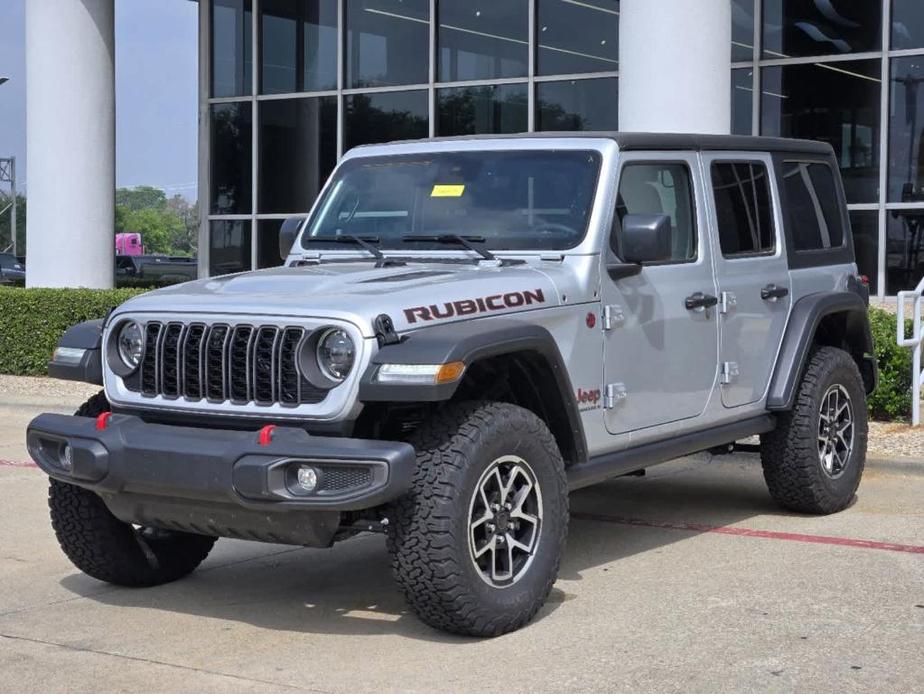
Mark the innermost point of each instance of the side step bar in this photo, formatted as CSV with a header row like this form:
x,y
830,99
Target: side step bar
x,y
630,460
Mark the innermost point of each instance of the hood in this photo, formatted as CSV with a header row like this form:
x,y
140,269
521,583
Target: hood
x,y
415,295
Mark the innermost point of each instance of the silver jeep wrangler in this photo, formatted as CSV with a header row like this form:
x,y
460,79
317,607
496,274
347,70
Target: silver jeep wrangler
x,y
464,331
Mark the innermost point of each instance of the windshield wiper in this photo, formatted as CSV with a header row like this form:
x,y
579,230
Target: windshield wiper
x,y
364,242
465,241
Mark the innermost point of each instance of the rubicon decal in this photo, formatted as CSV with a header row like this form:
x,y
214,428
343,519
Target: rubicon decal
x,y
467,307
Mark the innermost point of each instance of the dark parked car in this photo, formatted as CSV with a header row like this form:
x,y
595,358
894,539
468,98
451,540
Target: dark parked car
x,y
12,270
153,270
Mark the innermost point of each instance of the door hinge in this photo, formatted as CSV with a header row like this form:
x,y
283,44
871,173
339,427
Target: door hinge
x,y
613,394
613,316
728,302
729,372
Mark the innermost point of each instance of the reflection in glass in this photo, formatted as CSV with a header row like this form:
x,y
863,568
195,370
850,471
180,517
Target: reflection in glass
x,y
298,45
268,243
904,250
298,150
578,105
742,12
906,130
232,48
837,103
486,42
230,163
229,246
907,24
742,101
821,27
387,42
478,110
865,225
384,117
577,37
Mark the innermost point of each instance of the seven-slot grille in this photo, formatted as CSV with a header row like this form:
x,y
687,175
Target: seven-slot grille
x,y
220,362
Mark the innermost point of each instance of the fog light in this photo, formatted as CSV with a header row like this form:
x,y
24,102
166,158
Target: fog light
x,y
67,457
307,478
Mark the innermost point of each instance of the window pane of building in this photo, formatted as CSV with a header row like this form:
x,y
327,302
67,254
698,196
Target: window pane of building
x,y
575,37
743,208
814,215
232,48
298,150
478,110
661,189
298,45
742,12
837,103
907,24
229,246
477,42
865,225
578,105
268,243
904,252
387,42
794,28
230,165
906,130
385,117
742,101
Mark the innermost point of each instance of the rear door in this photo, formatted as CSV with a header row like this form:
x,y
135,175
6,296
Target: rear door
x,y
660,356
752,272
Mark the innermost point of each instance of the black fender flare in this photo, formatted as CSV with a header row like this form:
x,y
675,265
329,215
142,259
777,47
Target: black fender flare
x,y
87,336
804,320
469,342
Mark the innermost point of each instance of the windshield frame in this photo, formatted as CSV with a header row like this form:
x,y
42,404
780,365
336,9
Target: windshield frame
x,y
371,154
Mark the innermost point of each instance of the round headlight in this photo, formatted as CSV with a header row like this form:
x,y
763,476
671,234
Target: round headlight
x,y
336,353
131,344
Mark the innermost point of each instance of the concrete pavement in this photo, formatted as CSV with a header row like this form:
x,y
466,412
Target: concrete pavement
x,y
662,589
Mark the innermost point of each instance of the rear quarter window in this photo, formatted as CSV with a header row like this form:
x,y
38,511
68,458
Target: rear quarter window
x,y
813,206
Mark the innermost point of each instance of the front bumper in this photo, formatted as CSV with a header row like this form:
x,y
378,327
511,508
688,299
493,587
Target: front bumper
x,y
219,482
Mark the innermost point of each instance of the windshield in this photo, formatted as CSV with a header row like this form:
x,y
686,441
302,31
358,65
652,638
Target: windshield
x,y
512,199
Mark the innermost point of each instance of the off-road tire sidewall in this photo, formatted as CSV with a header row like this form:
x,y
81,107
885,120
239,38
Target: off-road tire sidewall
x,y
789,454
429,541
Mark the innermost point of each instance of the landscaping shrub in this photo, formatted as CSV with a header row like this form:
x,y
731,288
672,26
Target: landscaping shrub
x,y
892,399
33,320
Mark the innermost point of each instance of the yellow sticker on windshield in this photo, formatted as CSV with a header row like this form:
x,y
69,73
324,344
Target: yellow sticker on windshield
x,y
447,191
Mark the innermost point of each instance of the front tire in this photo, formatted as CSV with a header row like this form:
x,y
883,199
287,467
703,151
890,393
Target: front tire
x,y
477,542
814,459
110,550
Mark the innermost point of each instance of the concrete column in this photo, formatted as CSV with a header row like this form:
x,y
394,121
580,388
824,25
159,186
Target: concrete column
x,y
675,66
70,120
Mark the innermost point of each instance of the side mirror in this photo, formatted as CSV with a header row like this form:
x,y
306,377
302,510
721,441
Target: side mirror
x,y
644,238
287,234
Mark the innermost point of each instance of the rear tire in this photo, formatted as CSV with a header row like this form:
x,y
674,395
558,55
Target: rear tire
x,y
102,546
476,543
814,459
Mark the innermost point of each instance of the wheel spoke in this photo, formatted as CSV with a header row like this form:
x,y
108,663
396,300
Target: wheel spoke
x,y
513,542
489,545
480,521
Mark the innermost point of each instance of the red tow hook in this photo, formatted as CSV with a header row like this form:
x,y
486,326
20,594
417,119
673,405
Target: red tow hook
x,y
102,421
266,435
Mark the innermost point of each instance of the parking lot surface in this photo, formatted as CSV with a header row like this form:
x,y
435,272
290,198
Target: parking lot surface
x,y
687,579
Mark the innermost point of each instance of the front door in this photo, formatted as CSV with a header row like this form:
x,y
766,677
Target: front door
x,y
752,273
660,356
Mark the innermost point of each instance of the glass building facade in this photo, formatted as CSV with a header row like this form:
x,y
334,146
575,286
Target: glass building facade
x,y
292,84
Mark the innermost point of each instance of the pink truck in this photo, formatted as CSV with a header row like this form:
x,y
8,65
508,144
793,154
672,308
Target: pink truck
x,y
128,244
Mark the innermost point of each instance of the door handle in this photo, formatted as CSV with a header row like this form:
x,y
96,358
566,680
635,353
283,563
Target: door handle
x,y
773,292
700,301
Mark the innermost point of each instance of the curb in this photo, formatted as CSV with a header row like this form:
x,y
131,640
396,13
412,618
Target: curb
x,y
904,465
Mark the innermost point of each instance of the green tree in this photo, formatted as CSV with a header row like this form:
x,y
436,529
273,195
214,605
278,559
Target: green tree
x,y
141,198
158,228
166,226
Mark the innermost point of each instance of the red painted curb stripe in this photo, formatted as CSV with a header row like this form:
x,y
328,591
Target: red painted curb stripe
x,y
14,463
748,532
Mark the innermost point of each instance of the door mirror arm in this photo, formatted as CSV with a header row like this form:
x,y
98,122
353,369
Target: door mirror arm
x,y
618,270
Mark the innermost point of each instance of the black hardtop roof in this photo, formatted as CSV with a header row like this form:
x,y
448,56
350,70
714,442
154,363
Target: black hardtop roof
x,y
669,141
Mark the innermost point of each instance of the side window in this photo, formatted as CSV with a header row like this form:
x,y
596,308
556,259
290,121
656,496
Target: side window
x,y
813,206
743,208
661,188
